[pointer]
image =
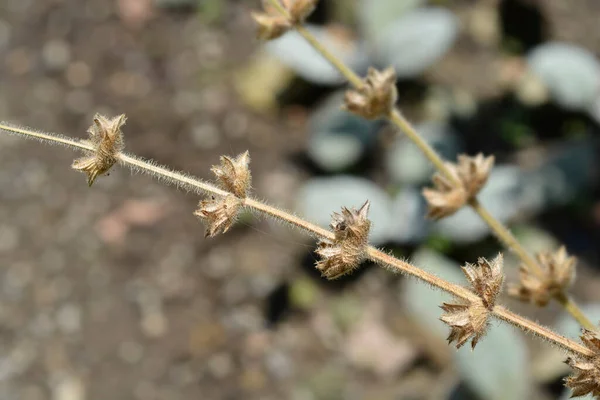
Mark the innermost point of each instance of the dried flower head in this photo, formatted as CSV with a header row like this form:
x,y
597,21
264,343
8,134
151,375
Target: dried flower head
x,y
470,321
299,10
270,26
449,195
586,377
486,279
272,23
347,250
107,139
376,97
466,322
558,274
218,213
233,174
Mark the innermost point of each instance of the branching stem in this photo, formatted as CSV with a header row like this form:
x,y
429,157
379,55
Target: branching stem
x,y
397,119
375,255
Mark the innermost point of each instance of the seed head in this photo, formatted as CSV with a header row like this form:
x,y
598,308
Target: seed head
x,y
273,24
107,140
466,322
586,375
270,26
486,279
233,174
558,275
470,321
218,213
376,97
299,9
347,250
448,196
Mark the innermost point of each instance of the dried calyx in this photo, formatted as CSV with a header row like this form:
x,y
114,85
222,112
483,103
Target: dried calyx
x,y
558,273
272,23
470,320
234,174
220,212
586,377
376,97
345,253
449,195
106,138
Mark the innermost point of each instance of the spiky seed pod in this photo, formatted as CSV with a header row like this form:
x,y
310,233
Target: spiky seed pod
x,y
486,279
466,322
107,140
272,24
233,174
470,321
447,196
586,375
558,275
342,255
218,213
376,97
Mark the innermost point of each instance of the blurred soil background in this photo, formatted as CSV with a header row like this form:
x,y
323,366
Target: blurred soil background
x,y
112,292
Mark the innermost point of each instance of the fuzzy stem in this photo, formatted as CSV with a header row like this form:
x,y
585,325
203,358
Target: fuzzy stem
x,y
526,325
276,213
373,254
396,118
572,308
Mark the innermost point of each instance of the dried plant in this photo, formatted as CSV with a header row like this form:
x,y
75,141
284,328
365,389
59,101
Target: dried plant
x,y
344,247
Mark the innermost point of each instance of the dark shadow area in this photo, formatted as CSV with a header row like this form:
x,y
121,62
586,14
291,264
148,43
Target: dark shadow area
x,y
523,25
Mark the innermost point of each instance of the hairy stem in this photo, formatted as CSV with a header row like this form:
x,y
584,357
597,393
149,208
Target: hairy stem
x,y
373,254
396,118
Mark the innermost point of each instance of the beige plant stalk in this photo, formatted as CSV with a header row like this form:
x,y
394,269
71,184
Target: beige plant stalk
x,y
455,185
343,248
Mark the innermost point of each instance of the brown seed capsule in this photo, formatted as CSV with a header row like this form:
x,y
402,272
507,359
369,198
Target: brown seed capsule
x,y
107,140
448,196
347,250
470,321
558,273
486,279
299,9
376,97
274,22
219,213
586,375
270,26
466,322
234,174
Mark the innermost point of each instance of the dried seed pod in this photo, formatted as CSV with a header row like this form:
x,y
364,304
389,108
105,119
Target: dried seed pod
x,y
347,250
270,26
486,279
107,139
272,23
299,9
219,213
466,322
234,174
449,195
558,275
376,97
470,321
586,377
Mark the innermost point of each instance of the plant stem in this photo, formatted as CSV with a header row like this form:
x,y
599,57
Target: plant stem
x,y
396,118
373,254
